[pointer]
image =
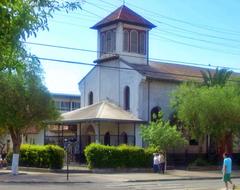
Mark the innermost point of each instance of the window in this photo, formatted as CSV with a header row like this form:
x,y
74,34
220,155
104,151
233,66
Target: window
x,y
126,96
65,106
90,98
108,41
75,105
126,40
103,44
107,139
142,43
155,113
134,41
113,40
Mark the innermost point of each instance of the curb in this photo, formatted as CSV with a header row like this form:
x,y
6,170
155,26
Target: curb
x,y
46,170
128,181
45,182
180,179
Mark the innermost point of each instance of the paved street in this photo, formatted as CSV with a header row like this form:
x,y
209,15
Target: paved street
x,y
173,179
173,185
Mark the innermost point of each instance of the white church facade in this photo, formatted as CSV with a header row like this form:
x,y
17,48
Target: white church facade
x,y
124,89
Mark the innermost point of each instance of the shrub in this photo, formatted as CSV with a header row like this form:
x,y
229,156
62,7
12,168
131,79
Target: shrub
x,y
123,156
48,156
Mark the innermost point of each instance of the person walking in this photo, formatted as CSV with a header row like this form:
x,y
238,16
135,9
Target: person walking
x,y
156,167
227,170
162,162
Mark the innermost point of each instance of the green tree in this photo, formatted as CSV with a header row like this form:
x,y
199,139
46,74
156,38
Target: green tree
x,y
161,135
24,102
218,77
206,110
20,19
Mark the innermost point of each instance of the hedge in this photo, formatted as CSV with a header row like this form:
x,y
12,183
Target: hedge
x,y
123,156
41,156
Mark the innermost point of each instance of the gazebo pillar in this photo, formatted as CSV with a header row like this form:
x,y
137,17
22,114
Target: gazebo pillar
x,y
134,129
118,138
98,136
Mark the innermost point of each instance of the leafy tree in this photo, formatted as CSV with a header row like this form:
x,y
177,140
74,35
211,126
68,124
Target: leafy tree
x,y
161,135
24,102
20,19
209,110
219,77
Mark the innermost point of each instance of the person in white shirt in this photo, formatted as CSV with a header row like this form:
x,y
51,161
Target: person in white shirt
x,y
156,160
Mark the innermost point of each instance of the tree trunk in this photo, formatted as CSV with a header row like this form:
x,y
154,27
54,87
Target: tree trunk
x,y
225,144
17,140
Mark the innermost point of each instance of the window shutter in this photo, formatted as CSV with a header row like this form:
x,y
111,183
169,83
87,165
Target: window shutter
x,y
134,41
109,43
113,40
102,44
126,41
142,43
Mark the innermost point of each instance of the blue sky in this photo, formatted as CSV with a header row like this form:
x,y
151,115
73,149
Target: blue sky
x,y
203,31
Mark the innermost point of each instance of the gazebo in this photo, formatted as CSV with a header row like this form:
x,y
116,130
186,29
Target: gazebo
x,y
103,122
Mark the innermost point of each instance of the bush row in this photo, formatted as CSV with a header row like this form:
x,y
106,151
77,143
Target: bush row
x,y
42,156
123,156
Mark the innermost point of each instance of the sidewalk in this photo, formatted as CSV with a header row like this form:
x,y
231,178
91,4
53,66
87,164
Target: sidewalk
x,y
171,175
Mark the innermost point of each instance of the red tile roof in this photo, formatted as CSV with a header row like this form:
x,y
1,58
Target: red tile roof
x,y
169,71
126,15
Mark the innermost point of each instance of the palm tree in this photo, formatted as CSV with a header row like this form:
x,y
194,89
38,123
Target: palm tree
x,y
219,77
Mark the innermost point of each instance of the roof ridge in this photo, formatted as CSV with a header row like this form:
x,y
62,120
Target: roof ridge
x,y
120,12
102,104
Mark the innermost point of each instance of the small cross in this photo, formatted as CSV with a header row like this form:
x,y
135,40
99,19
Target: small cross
x,y
123,2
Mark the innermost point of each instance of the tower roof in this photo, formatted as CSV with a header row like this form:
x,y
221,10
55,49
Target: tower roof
x,y
126,15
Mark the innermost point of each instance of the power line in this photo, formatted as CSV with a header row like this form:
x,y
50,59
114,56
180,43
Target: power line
x,y
151,59
200,40
179,35
198,33
205,27
170,32
176,41
124,68
197,46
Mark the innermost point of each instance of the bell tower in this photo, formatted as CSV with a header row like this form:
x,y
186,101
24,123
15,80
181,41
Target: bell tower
x,y
123,34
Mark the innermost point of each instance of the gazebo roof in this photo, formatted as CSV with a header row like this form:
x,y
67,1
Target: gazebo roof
x,y
101,111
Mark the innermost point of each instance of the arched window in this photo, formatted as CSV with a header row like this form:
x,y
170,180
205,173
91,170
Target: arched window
x,y
123,138
103,44
90,98
107,138
155,113
126,96
126,40
142,43
109,41
134,41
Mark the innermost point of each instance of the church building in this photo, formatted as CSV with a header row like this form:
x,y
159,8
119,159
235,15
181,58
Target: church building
x,y
125,88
